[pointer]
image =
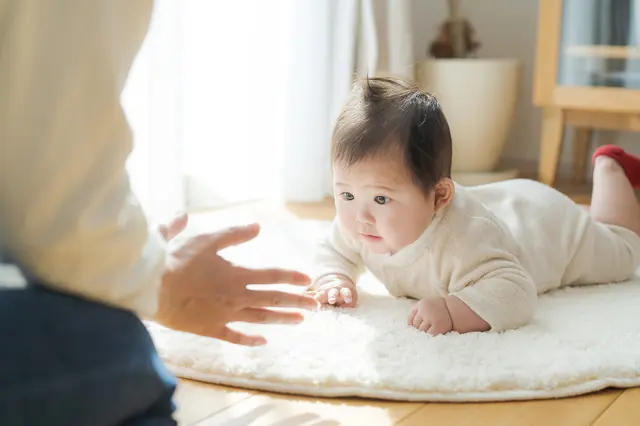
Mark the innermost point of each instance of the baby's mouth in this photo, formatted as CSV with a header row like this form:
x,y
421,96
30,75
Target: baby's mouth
x,y
370,237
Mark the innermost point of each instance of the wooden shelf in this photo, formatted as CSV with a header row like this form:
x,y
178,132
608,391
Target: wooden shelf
x,y
603,51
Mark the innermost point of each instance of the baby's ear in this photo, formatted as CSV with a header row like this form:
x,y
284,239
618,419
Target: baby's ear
x,y
443,193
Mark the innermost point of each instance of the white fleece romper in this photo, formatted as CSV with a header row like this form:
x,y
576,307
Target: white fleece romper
x,y
496,247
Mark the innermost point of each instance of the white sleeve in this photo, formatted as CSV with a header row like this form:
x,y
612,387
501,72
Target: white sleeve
x,y
335,254
68,216
491,281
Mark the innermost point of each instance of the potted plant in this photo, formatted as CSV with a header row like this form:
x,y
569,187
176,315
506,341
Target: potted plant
x,y
478,96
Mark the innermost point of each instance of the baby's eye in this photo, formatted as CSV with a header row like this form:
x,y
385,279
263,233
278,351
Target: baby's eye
x,y
347,196
380,199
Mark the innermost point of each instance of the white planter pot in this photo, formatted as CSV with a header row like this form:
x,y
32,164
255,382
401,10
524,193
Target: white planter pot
x,y
479,98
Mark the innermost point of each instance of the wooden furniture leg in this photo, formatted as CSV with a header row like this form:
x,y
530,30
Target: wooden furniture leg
x,y
580,145
550,144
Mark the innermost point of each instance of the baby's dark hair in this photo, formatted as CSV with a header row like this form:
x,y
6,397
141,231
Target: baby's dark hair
x,y
386,115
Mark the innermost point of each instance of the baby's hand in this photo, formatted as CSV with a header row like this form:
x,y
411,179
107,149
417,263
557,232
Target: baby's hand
x,y
431,315
336,291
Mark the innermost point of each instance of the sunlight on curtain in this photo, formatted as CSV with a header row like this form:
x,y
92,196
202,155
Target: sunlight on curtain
x,y
223,98
205,103
233,102
151,100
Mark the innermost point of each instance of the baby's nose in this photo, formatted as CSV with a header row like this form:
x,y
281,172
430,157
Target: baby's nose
x,y
365,217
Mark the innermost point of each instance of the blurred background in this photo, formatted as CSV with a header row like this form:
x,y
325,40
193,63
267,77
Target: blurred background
x,y
233,101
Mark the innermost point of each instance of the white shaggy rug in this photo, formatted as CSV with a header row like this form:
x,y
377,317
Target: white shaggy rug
x,y
582,340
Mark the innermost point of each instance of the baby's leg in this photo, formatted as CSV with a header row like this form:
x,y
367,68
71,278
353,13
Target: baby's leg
x,y
607,253
613,200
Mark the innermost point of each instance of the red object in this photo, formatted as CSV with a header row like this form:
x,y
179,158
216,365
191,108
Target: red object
x,y
629,163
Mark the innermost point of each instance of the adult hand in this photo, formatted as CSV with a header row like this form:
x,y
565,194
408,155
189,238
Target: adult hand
x,y
201,292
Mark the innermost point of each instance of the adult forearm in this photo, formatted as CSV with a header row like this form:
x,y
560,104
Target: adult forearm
x,y
68,214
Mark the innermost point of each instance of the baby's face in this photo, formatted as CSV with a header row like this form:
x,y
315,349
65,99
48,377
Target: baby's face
x,y
378,204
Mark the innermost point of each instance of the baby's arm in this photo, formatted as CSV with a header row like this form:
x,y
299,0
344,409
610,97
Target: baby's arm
x,y
463,319
488,289
496,294
337,268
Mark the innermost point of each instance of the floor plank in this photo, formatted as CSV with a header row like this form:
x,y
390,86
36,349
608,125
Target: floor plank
x,y
578,411
283,410
321,210
196,401
625,411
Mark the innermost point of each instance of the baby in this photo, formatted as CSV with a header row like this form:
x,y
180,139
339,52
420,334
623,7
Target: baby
x,y
475,258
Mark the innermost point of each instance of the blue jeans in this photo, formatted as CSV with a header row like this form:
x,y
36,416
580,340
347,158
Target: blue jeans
x,y
68,361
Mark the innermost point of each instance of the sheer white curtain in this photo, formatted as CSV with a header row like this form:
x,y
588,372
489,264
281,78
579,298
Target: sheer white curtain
x,y
234,100
331,42
370,37
152,102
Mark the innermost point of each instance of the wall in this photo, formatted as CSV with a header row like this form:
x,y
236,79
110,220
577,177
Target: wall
x,y
507,29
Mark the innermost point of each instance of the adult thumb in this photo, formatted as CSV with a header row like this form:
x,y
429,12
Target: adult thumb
x,y
174,227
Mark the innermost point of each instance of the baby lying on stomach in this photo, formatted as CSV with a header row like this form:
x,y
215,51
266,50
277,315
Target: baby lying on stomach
x,y
475,258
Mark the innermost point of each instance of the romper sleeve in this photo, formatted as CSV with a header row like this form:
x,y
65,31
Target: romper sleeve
x,y
490,280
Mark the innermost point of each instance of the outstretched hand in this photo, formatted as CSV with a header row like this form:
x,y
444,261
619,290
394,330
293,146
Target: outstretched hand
x,y
202,293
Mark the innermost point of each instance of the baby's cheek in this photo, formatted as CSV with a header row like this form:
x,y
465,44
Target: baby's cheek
x,y
347,217
407,231
394,228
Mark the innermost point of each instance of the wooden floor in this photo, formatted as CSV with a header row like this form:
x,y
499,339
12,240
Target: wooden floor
x,y
208,405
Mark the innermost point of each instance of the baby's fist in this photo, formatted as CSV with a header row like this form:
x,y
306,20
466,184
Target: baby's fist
x,y
335,290
431,315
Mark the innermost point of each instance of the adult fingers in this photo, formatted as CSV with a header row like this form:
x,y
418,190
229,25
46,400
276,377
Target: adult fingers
x,y
274,276
164,231
235,337
268,316
234,235
281,299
